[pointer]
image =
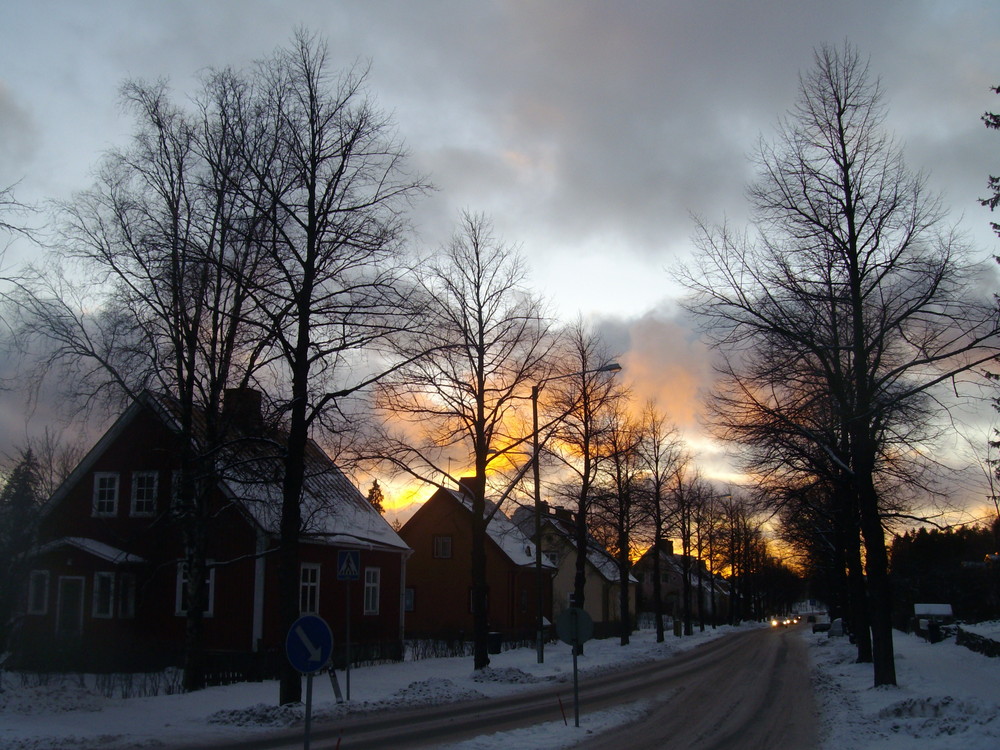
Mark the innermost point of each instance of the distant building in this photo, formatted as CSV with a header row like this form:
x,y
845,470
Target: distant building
x,y
439,573
601,591
709,594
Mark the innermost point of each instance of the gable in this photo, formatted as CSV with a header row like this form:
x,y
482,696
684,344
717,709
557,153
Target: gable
x,y
333,510
450,507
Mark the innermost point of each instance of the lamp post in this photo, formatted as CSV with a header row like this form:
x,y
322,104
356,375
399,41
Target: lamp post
x,y
539,579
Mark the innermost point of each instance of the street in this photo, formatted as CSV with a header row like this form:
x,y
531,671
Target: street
x,y
747,690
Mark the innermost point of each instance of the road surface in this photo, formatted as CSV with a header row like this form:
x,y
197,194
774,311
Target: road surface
x,y
742,691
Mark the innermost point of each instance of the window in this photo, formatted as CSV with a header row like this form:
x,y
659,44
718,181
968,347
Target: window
x,y
38,592
182,596
409,597
372,580
552,558
126,595
144,485
105,494
309,588
104,595
442,547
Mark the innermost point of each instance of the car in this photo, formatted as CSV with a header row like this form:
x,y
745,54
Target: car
x,y
821,627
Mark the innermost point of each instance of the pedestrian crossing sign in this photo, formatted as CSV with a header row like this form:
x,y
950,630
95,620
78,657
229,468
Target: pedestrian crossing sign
x,y
348,565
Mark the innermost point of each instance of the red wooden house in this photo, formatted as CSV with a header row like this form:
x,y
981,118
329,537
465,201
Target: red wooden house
x,y
106,587
439,573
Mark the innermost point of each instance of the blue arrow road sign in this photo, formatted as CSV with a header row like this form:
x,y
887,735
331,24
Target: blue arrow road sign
x,y
348,565
309,644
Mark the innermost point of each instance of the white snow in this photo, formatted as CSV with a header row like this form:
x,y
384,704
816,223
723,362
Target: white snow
x,y
949,697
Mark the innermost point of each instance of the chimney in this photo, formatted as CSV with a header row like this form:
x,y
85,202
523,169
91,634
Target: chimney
x,y
469,485
241,408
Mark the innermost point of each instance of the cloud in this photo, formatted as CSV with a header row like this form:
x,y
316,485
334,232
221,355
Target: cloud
x,y
18,137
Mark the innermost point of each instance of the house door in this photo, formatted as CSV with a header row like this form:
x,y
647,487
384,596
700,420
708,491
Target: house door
x,y
69,610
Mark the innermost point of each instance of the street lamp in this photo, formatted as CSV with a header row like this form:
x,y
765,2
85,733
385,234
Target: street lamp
x,y
540,603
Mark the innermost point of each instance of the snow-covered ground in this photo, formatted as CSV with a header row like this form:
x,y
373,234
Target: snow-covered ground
x,y
949,697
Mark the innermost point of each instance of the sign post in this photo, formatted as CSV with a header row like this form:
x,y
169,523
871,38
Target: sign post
x,y
574,626
348,569
309,645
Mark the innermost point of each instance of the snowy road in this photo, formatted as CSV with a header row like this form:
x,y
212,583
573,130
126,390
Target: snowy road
x,y
747,690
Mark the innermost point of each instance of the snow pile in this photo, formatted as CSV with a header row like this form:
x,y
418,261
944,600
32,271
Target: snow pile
x,y
510,675
260,715
989,629
947,697
58,696
432,692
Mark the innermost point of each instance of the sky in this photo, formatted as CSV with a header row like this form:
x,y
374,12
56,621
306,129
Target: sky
x,y
946,698
591,132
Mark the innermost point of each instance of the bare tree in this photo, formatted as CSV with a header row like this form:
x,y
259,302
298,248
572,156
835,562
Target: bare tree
x,y
326,176
461,399
850,270
661,457
618,499
584,402
162,239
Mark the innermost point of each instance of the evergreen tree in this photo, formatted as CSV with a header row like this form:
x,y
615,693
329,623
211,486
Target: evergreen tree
x,y
20,504
376,498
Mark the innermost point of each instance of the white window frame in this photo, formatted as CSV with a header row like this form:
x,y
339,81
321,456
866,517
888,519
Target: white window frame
x,y
103,604
180,611
373,585
150,501
442,547
101,500
126,595
38,582
309,589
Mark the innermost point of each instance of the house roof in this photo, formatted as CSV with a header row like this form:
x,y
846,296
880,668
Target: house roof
x,y
602,561
333,510
507,536
95,548
251,469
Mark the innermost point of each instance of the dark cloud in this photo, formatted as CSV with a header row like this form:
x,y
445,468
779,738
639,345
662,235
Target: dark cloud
x,y
590,130
17,137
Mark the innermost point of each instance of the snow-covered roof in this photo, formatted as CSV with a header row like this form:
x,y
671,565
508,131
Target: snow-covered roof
x,y
518,547
602,561
941,610
95,548
251,468
333,510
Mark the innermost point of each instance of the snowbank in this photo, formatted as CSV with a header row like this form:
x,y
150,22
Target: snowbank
x,y
948,698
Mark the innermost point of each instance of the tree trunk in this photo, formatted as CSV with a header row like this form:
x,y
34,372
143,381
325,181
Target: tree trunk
x,y
657,588
480,591
290,688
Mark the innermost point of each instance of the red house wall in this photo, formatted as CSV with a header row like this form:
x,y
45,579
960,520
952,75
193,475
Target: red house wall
x,y
442,586
154,636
